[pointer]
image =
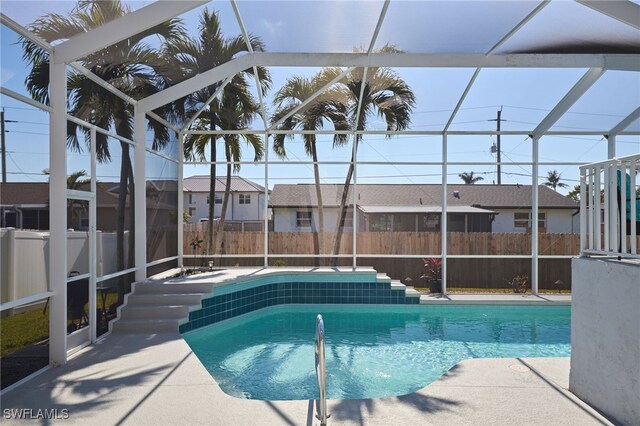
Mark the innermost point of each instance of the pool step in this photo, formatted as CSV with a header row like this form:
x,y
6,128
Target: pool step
x,y
412,292
172,288
186,299
155,311
149,325
397,285
159,307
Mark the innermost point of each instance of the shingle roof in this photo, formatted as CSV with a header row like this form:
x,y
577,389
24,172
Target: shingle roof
x,y
484,196
37,193
21,193
200,183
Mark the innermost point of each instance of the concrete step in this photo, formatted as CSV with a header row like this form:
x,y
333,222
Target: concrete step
x,y
383,278
155,312
173,288
153,299
412,292
397,285
145,326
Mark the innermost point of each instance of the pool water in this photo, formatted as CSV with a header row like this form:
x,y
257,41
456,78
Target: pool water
x,y
371,351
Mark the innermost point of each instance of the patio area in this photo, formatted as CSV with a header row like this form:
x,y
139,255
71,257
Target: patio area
x,y
157,380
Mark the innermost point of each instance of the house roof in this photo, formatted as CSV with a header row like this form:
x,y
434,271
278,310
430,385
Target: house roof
x,y
24,193
481,196
200,183
421,209
36,194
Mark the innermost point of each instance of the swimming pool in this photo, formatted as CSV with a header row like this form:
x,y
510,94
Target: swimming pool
x,y
372,351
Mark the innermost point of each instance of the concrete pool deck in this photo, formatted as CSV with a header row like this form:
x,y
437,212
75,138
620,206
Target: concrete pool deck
x,y
141,379
156,379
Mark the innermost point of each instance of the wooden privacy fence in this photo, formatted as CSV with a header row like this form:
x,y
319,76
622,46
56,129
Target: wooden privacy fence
x,y
392,243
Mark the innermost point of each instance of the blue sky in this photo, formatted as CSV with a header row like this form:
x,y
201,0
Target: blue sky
x,y
524,95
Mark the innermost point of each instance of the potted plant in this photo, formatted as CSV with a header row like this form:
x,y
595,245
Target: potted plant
x,y
433,274
519,283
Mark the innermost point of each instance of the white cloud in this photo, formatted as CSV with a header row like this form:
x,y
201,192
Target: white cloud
x,y
271,26
5,75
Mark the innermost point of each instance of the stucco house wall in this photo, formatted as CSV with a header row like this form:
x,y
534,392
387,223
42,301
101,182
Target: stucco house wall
x,y
285,220
557,221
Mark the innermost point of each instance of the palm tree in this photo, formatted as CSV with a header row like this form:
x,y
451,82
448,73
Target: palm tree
x,y
469,178
130,65
553,180
310,117
234,109
75,181
230,118
385,95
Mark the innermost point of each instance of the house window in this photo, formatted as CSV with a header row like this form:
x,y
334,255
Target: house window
x,y
381,223
303,219
192,211
190,198
347,222
523,220
218,198
245,198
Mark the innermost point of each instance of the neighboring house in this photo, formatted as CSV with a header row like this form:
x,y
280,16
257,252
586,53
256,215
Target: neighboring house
x,y
245,210
25,205
382,207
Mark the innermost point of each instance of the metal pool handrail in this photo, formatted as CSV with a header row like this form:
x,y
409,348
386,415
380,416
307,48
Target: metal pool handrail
x,y
320,371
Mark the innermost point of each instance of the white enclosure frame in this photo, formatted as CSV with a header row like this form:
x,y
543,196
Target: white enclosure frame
x,y
65,53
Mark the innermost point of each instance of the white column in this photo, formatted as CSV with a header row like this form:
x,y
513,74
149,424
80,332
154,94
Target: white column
x,y
93,305
443,217
611,146
58,212
180,199
354,201
534,215
266,200
140,199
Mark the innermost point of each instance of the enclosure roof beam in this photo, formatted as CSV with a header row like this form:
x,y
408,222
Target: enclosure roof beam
x,y
4,19
491,51
312,97
625,123
627,62
197,82
624,11
122,28
579,89
398,60
217,93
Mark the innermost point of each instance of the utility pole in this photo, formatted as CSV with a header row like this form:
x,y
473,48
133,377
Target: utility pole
x,y
498,159
3,148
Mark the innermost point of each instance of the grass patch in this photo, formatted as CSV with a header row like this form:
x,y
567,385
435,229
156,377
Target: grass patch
x,y
23,329
31,327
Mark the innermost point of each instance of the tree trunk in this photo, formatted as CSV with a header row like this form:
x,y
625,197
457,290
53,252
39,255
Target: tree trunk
x,y
227,190
316,175
211,243
122,202
132,216
343,212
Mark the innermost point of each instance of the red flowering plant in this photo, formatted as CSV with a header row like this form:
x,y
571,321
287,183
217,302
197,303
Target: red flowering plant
x,y
432,269
433,274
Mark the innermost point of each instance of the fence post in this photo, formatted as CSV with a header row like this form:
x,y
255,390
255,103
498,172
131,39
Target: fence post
x,y
11,264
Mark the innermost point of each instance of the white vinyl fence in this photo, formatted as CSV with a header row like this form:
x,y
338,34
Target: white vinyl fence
x,y
24,259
